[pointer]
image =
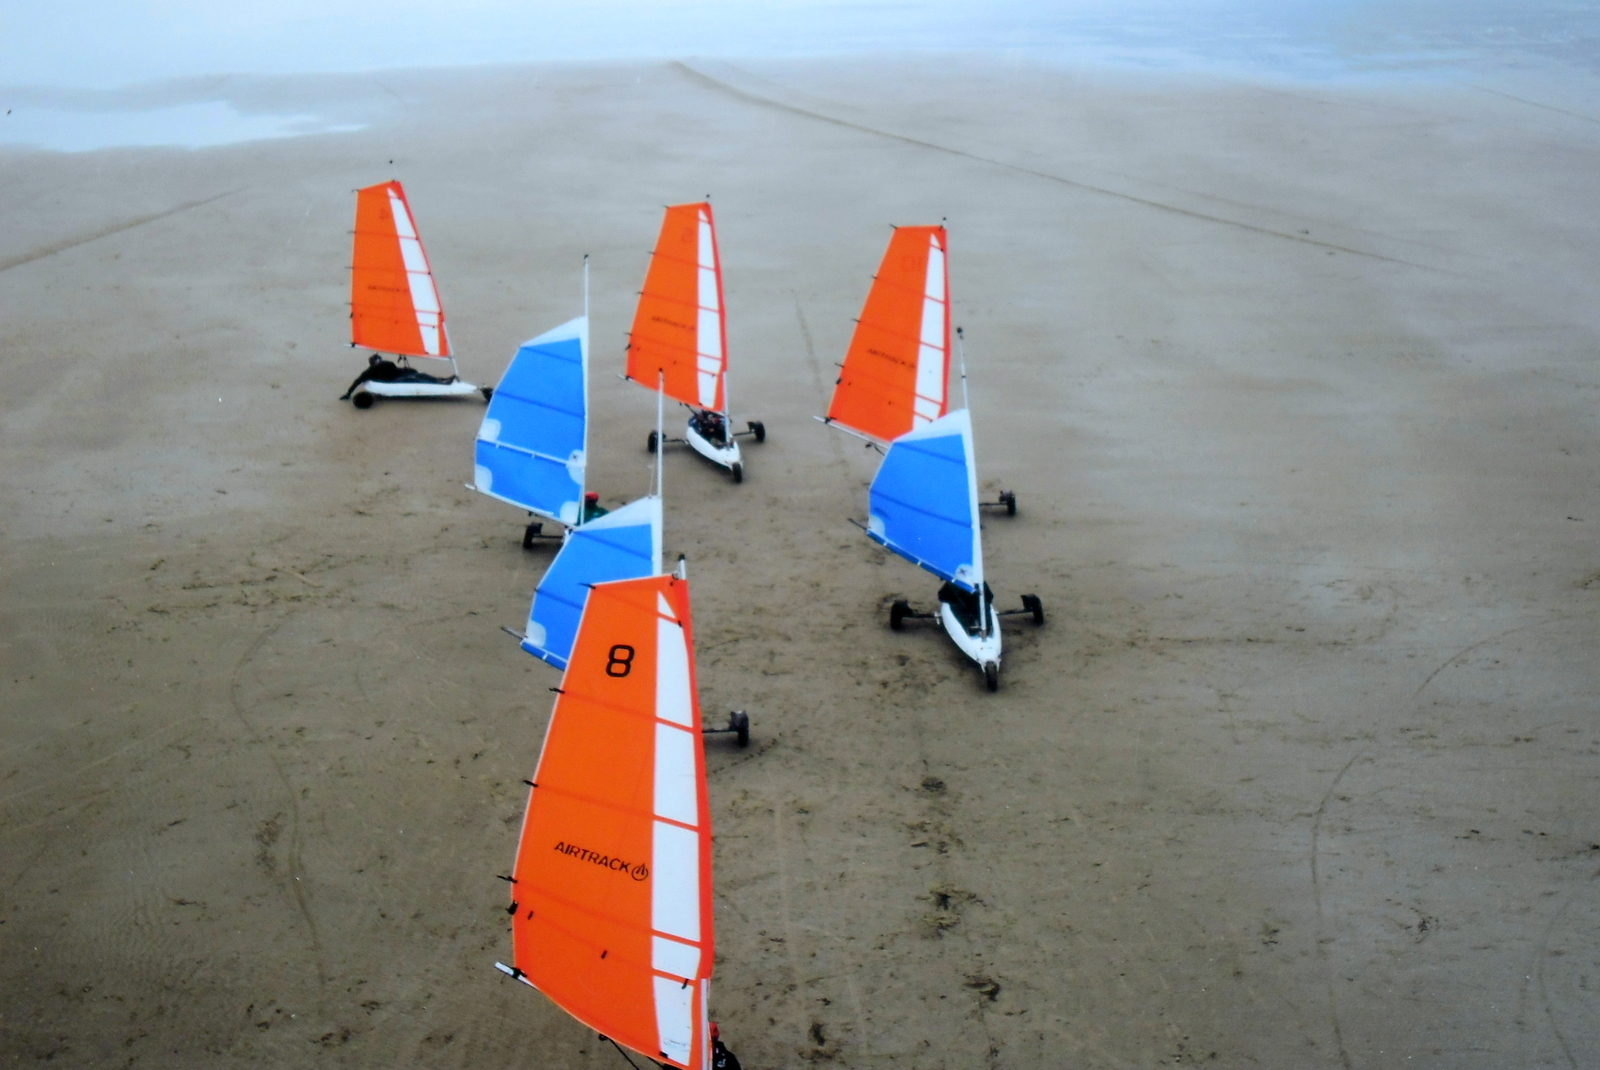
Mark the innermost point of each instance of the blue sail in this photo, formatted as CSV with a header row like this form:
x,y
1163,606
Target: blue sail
x,y
622,545
531,446
924,500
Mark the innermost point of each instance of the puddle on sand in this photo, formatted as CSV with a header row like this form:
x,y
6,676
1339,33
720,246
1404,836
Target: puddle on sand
x,y
189,126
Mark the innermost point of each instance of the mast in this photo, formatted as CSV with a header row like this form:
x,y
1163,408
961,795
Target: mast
x,y
722,320
583,353
977,527
961,356
661,395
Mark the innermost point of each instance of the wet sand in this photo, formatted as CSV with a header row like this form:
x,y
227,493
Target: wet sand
x,y
1297,391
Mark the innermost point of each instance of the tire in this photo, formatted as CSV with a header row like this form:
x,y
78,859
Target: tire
x,y
653,443
1011,503
530,533
991,676
488,393
1031,601
363,400
898,614
759,429
741,725
738,472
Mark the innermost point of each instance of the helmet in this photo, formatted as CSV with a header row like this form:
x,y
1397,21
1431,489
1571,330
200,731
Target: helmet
x,y
715,1032
592,496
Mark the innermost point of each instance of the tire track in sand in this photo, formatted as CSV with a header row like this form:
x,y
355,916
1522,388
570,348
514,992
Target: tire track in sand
x,y
1316,891
106,232
1088,187
292,868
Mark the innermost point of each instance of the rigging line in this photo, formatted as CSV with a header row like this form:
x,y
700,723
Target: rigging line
x,y
1047,176
622,1053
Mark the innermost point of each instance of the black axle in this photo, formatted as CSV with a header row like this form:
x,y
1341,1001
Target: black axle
x,y
1006,501
738,725
535,531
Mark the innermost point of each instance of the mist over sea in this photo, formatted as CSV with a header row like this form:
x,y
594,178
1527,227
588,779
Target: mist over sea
x,y
66,70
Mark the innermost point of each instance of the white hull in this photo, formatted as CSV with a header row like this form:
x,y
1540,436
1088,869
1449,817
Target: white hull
x,y
727,457
458,389
983,649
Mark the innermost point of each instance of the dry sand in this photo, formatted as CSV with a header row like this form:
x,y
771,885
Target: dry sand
x,y
1297,390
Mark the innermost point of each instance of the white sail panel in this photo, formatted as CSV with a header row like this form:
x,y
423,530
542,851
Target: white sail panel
x,y
931,356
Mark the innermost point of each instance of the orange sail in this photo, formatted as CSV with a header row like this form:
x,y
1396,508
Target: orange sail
x,y
679,336
895,373
394,305
612,893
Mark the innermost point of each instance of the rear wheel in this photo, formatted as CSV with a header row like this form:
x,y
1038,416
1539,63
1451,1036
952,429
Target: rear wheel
x,y
653,442
363,400
759,429
488,392
1010,498
1031,602
530,533
898,614
738,472
991,676
741,724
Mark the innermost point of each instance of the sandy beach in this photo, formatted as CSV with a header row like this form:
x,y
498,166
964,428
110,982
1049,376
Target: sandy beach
x,y
1297,390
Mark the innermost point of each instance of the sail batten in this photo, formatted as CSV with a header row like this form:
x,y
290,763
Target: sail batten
x,y
613,869
394,302
896,370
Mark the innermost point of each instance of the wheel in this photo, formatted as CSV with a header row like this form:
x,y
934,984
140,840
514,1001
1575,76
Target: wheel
x,y
1010,499
488,393
653,442
1031,601
530,533
740,723
738,472
898,614
991,676
363,400
759,429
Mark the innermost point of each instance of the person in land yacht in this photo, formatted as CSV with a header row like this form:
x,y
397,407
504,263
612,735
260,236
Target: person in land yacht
x,y
592,508
387,371
965,605
712,427
721,1057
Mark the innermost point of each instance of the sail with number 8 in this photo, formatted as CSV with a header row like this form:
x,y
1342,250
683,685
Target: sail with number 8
x,y
611,893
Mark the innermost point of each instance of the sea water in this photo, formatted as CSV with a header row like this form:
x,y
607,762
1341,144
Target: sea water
x,y
65,66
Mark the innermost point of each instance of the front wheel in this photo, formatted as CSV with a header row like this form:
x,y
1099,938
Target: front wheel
x,y
653,443
758,429
738,472
991,676
362,400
